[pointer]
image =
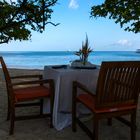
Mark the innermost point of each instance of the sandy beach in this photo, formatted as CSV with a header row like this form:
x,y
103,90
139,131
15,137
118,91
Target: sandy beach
x,y
38,129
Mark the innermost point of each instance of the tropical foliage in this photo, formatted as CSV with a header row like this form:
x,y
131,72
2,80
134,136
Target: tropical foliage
x,y
84,52
124,12
19,17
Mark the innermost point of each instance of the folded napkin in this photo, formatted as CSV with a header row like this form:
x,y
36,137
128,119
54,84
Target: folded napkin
x,y
59,66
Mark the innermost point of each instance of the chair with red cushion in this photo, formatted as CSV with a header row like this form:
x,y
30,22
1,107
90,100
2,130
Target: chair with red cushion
x,y
27,93
116,95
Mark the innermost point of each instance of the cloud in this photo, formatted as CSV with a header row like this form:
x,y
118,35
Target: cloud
x,y
73,4
123,42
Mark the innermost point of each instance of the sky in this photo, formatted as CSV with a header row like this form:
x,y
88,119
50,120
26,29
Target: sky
x,y
75,23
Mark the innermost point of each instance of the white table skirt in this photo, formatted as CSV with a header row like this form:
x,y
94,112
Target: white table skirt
x,y
63,91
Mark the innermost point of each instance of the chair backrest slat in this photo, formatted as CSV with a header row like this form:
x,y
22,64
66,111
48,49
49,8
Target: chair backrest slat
x,y
118,83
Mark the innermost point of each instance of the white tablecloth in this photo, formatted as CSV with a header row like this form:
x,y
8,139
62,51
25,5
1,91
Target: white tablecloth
x,y
63,91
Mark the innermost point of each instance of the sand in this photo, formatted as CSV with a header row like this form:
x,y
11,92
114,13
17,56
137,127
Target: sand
x,y
38,129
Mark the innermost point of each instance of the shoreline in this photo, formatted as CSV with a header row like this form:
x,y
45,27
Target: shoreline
x,y
37,60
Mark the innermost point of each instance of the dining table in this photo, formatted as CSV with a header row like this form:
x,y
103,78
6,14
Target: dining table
x,y
63,76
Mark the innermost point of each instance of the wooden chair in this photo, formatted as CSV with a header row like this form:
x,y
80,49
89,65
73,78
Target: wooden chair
x,y
116,95
31,90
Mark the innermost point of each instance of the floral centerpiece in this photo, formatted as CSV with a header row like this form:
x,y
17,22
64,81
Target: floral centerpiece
x,y
84,52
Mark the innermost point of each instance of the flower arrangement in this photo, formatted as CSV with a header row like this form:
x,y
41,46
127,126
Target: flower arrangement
x,y
84,52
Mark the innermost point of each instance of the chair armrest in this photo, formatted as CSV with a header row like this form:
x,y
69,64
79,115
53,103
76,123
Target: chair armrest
x,y
27,76
77,84
49,81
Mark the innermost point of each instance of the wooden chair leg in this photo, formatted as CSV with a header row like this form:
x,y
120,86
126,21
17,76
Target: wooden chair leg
x,y
41,106
95,127
51,112
12,121
109,121
133,126
74,116
8,112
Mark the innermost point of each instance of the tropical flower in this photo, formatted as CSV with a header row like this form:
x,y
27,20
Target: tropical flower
x,y
84,52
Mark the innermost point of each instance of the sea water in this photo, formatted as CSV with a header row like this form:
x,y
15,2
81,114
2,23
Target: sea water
x,y
37,60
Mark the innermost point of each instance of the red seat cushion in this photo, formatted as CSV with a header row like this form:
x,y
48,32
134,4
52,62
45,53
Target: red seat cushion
x,y
89,101
29,93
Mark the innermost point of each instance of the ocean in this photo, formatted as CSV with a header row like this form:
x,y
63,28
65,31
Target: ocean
x,y
37,60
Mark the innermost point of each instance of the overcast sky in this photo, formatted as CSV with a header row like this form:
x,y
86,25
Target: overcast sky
x,y
75,23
